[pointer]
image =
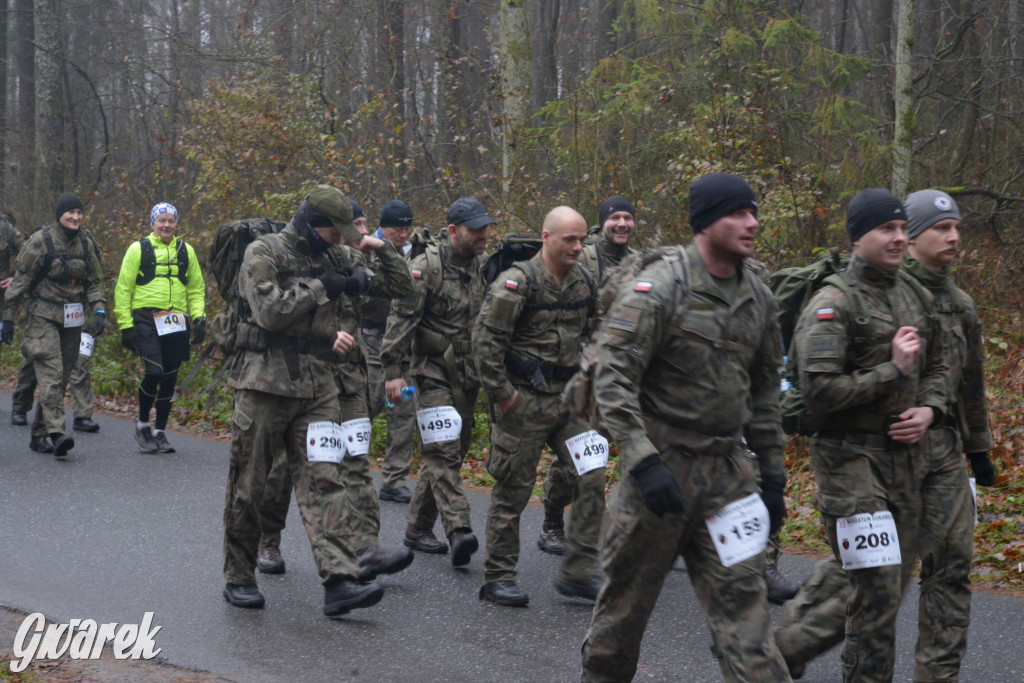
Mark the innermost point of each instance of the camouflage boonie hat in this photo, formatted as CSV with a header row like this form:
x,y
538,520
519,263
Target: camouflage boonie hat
x,y
335,206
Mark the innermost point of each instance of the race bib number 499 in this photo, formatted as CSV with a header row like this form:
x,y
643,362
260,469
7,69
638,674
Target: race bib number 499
x,y
868,540
588,451
438,425
325,442
739,530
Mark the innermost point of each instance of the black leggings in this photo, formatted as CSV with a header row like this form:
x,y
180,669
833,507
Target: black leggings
x,y
161,358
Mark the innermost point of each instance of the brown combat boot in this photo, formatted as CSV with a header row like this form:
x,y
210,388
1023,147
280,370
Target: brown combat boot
x,y
269,560
424,540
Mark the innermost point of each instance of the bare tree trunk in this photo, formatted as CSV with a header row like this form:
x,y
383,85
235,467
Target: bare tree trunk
x,y
394,52
545,57
4,68
49,140
514,53
26,110
903,98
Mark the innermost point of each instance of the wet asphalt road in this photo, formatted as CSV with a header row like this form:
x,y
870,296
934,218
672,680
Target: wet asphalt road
x,y
110,534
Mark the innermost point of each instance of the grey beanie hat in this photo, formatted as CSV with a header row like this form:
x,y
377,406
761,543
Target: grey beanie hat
x,y
926,208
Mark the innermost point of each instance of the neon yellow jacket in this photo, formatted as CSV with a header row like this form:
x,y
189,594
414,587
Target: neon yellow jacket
x,y
163,292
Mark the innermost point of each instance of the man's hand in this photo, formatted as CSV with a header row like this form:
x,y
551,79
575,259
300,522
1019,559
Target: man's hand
x,y
393,388
198,330
343,343
357,283
984,473
6,282
367,243
6,332
334,281
507,404
658,486
99,323
906,346
914,422
773,492
128,339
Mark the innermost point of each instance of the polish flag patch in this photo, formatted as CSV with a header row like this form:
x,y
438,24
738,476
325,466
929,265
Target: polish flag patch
x,y
417,273
642,286
511,284
826,313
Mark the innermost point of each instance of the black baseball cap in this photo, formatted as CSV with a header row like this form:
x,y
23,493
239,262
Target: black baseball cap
x,y
470,212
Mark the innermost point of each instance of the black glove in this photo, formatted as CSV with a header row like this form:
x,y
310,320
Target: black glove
x,y
658,486
99,323
128,339
334,281
198,330
7,331
772,493
984,473
358,281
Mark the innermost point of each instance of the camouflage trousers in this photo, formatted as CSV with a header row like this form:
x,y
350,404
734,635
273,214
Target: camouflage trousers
x,y
858,472
439,489
559,487
401,439
263,426
82,398
517,439
639,548
52,351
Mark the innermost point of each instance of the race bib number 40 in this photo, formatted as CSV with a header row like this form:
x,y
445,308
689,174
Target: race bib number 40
x,y
588,450
739,530
168,322
325,442
868,540
438,425
86,345
357,436
74,315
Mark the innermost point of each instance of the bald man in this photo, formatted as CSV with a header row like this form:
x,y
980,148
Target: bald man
x,y
527,339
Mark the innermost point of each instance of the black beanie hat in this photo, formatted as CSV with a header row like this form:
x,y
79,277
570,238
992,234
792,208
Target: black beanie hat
x,y
396,214
357,211
67,202
614,205
869,209
717,195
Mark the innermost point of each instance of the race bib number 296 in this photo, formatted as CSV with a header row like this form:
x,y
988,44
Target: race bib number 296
x,y
325,442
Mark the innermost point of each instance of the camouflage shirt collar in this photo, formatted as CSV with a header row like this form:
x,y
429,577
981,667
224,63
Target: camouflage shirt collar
x,y
871,275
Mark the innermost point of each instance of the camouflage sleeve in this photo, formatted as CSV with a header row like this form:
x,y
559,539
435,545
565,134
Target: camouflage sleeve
x,y
275,308
971,392
637,320
94,292
30,260
393,280
764,431
821,335
492,334
396,347
931,391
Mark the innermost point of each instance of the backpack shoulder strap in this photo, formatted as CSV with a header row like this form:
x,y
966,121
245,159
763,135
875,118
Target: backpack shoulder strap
x,y
182,259
861,316
51,254
679,265
147,262
435,267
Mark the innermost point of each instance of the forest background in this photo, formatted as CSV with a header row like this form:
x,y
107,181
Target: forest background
x,y
235,108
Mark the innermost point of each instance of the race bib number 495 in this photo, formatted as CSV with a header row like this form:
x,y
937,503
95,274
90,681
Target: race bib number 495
x,y
438,425
588,451
325,442
868,540
739,530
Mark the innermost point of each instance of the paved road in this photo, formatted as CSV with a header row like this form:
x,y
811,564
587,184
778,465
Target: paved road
x,y
110,534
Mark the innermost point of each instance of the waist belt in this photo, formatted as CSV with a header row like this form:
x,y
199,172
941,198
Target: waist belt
x,y
535,371
855,422
663,434
372,325
462,346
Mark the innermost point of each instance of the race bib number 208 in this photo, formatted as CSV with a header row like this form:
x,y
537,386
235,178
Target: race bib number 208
x,y
868,540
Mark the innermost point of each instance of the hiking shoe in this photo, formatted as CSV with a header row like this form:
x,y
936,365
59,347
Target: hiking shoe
x,y
504,593
586,589
269,560
62,443
552,540
144,437
464,544
85,424
19,419
424,540
161,441
41,444
342,595
780,589
243,596
399,494
375,561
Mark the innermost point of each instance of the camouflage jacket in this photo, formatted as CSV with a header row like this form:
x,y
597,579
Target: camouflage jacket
x,y
11,242
73,275
530,324
440,314
374,310
601,258
713,371
854,380
965,354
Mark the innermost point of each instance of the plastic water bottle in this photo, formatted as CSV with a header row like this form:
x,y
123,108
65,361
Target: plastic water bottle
x,y
785,385
407,393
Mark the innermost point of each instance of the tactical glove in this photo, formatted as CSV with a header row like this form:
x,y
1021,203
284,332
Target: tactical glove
x,y
358,282
772,490
658,486
99,323
128,339
984,473
198,330
6,332
334,281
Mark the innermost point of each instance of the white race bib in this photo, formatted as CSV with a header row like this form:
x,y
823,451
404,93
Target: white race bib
x,y
85,347
324,442
439,424
739,530
868,540
74,315
168,322
974,495
357,436
589,451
